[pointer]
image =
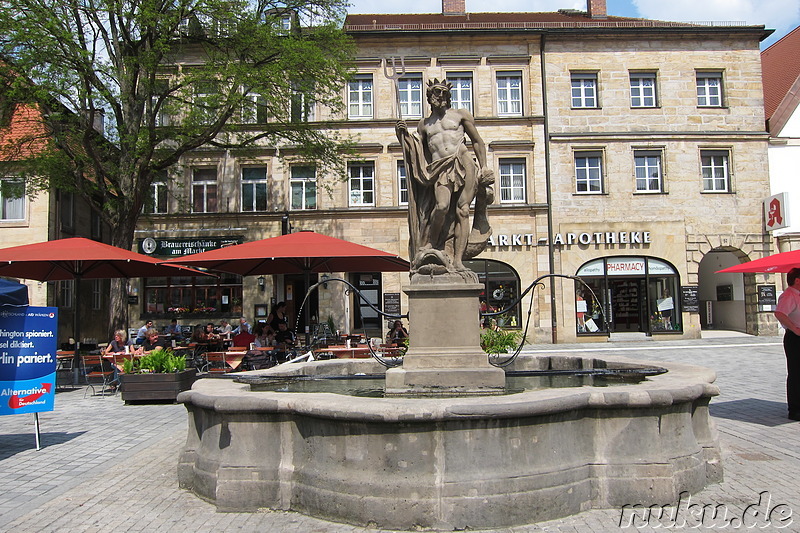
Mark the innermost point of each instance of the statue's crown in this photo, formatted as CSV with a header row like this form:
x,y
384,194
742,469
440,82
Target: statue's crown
x,y
442,84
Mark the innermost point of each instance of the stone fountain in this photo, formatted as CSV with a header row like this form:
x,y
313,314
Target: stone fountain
x,y
445,448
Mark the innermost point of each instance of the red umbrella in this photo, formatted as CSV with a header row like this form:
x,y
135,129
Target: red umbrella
x,y
782,262
78,258
302,252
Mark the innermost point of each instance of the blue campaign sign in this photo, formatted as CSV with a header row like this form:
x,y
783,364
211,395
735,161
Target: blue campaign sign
x,y
27,359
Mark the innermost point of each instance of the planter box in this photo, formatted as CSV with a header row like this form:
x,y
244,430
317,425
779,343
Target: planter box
x,y
139,387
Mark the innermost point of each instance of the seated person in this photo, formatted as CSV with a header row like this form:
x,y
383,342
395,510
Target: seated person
x,y
151,341
397,334
244,338
265,338
174,330
199,334
285,341
142,333
119,343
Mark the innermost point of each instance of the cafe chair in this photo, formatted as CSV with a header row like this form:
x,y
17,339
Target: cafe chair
x,y
216,363
95,373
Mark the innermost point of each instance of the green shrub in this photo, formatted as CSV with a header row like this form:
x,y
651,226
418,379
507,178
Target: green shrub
x,y
160,360
497,341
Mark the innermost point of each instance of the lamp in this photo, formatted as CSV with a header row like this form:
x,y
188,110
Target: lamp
x,y
325,278
262,282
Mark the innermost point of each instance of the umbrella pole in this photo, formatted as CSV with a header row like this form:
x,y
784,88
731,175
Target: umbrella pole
x,y
76,329
306,310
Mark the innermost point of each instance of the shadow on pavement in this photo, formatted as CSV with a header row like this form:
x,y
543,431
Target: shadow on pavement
x,y
15,443
752,410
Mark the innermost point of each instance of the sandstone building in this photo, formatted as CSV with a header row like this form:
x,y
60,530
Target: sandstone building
x,y
629,153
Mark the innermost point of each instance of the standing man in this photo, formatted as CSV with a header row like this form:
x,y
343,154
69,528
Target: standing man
x,y
788,314
444,179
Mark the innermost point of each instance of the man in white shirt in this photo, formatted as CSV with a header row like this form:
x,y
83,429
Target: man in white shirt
x,y
788,314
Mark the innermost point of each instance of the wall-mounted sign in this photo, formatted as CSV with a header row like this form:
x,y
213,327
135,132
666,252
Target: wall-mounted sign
x,y
391,303
776,211
724,293
570,239
176,247
767,295
690,298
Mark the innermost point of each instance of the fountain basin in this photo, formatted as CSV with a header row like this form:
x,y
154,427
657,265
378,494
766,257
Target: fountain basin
x,y
452,463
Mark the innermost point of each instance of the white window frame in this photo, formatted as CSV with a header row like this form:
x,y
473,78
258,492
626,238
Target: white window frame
x,y
709,89
254,109
360,97
402,183
584,93
462,93
643,89
715,170
513,175
258,187
411,89
207,188
10,205
509,93
306,185
158,194
361,184
648,171
302,107
589,172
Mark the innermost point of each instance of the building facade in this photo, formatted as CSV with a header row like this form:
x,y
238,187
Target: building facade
x,y
629,154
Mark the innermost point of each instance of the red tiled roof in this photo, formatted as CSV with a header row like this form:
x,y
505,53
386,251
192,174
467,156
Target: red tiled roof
x,y
24,136
780,70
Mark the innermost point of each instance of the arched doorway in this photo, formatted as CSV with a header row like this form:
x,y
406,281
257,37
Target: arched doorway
x,y
501,287
723,304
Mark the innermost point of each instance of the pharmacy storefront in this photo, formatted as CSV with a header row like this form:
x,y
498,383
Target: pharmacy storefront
x,y
627,294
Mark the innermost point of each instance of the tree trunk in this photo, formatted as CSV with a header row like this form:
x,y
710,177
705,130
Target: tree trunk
x,y
122,237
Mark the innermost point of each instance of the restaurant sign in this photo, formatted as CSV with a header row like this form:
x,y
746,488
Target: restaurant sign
x,y
177,247
27,359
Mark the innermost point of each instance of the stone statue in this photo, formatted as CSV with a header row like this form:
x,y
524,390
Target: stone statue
x,y
443,180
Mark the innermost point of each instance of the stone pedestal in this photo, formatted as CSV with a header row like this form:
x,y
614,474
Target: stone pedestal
x,y
444,355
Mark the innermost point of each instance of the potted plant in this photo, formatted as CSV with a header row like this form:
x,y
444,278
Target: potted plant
x,y
159,375
497,341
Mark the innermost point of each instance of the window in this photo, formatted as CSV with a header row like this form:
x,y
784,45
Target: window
x,y
254,189
156,201
204,190
647,166
67,211
643,89
200,297
509,93
709,89
97,294
461,94
501,287
584,90
161,89
12,199
96,226
402,184
65,292
588,172
716,174
359,97
362,183
302,105
410,89
303,185
512,181
205,102
254,109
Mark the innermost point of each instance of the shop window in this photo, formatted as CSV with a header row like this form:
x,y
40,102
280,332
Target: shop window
x,y
501,288
193,297
461,93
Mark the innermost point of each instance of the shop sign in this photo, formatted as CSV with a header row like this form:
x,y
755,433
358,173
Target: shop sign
x,y
690,298
626,267
603,237
767,295
391,303
178,247
776,213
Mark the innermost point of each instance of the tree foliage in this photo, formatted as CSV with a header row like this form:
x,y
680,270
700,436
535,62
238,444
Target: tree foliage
x,y
169,76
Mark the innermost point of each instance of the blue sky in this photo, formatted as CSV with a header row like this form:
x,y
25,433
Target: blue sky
x,y
779,15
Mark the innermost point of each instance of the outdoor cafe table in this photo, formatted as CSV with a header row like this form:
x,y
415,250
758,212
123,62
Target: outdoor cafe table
x,y
343,352
232,359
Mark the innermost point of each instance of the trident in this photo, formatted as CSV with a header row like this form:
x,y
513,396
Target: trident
x,y
396,75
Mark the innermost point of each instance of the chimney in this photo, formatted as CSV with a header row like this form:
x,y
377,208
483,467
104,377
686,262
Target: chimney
x,y
595,8
454,7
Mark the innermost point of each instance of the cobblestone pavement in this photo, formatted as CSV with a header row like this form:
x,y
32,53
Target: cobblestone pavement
x,y
106,466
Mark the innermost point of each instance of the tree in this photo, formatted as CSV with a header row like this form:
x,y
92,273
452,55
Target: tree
x,y
169,76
